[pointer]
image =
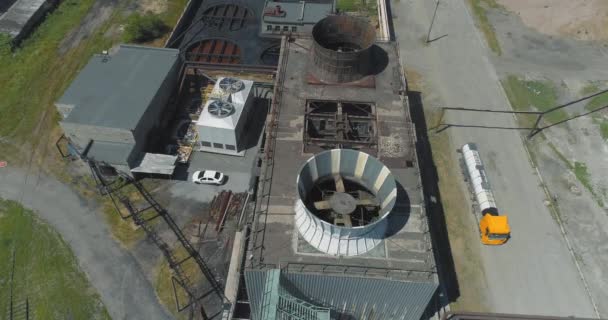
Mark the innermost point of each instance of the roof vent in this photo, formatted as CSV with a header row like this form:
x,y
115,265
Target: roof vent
x,y
344,199
220,109
231,85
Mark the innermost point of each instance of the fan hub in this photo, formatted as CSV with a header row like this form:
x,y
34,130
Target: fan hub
x,y
343,203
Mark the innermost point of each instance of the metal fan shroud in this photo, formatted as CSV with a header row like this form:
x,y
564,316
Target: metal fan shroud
x,y
344,199
220,109
231,85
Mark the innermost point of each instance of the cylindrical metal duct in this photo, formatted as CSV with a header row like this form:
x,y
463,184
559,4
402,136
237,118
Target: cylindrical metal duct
x,y
342,49
479,179
351,165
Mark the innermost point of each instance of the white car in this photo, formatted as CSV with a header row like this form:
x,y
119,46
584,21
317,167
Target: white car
x,y
208,177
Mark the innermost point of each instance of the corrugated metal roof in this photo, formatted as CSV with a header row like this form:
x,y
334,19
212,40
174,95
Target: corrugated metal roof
x,y
115,90
110,152
156,163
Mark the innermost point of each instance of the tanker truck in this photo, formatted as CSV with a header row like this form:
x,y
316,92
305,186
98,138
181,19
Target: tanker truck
x,y
493,227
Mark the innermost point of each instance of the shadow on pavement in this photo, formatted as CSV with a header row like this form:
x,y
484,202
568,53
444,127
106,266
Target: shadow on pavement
x,y
436,215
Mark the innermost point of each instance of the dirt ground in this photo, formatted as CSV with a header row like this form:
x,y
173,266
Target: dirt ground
x,y
578,19
153,6
544,44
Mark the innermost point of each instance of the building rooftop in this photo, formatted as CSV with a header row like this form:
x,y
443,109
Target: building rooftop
x,y
298,12
407,246
115,90
17,16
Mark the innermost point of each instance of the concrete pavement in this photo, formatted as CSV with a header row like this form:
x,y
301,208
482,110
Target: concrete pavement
x,y
534,273
112,270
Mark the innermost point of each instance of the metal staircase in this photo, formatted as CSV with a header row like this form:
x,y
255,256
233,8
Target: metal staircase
x,y
277,304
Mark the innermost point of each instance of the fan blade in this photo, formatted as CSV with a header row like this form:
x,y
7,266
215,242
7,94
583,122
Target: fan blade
x,y
343,220
339,183
367,202
322,205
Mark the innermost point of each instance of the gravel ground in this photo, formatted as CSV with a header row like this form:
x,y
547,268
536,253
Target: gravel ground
x,y
570,64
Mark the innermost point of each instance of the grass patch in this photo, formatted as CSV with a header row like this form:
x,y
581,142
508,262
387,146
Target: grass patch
x,y
144,28
464,239
604,129
527,95
480,10
367,7
164,286
589,89
581,173
36,74
597,102
46,271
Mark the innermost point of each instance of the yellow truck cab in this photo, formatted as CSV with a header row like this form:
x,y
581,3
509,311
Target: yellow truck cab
x,y
494,230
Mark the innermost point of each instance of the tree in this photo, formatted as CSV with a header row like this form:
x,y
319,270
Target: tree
x,y
144,28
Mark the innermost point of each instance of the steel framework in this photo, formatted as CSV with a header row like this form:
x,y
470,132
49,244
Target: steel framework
x,y
534,130
340,124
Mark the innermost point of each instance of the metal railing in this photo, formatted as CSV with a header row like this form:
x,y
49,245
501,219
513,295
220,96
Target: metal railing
x,y
356,271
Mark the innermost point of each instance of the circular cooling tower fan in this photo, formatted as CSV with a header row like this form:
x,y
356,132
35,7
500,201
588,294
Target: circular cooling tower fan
x,y
220,109
344,199
231,85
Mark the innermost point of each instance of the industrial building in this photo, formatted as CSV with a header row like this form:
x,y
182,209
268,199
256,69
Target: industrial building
x,y
22,16
293,18
340,229
221,125
113,107
228,33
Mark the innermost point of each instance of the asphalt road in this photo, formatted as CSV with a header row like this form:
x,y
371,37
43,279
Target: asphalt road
x,y
534,272
112,270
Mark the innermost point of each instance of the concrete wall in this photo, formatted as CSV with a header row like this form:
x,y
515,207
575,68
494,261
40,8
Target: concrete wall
x,y
350,297
81,134
152,118
243,120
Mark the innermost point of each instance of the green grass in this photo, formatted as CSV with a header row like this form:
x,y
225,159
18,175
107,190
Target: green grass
x,y
527,95
46,271
36,74
604,129
582,174
164,287
480,10
369,7
597,102
33,76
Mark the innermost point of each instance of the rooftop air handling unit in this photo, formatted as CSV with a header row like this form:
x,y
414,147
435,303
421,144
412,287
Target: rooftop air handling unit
x,y
231,85
341,50
344,198
220,109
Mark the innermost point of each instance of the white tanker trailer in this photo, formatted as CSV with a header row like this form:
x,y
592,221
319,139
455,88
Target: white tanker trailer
x,y
494,228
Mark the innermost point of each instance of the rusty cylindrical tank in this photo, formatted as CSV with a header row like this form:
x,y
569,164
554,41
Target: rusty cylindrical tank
x,y
341,49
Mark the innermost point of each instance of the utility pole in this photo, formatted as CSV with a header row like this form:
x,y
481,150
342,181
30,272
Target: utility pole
x,y
11,287
428,35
